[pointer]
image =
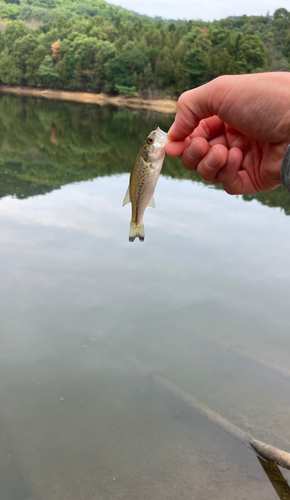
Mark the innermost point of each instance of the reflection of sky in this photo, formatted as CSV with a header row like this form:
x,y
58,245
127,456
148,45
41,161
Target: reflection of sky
x,y
196,214
79,303
200,245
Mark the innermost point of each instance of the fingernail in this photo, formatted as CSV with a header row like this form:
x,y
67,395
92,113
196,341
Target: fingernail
x,y
194,152
231,160
213,159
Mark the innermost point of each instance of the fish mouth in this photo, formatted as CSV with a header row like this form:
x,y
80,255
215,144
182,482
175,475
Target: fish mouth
x,y
161,137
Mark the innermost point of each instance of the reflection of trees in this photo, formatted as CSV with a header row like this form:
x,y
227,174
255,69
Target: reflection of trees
x,y
277,198
46,144
11,184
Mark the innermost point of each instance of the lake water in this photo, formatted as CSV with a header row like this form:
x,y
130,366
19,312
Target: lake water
x,y
88,318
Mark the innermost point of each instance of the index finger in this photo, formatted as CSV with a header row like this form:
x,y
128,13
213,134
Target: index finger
x,y
208,129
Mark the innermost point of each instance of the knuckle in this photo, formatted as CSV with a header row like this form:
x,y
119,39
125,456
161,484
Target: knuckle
x,y
183,100
189,164
221,80
206,174
204,127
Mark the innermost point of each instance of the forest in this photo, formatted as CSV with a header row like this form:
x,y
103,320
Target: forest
x,y
97,47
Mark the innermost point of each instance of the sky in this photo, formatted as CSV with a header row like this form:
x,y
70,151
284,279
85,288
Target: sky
x,y
207,10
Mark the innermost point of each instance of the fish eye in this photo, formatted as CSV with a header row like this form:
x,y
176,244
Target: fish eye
x,y
150,140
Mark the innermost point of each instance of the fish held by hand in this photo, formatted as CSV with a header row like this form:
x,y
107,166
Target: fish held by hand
x,y
143,180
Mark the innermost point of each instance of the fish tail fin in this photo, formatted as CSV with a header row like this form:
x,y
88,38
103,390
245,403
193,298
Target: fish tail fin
x,y
136,230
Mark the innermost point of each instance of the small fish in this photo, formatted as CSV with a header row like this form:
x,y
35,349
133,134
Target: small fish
x,y
143,180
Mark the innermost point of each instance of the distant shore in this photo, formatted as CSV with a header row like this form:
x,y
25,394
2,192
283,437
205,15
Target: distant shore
x,y
167,106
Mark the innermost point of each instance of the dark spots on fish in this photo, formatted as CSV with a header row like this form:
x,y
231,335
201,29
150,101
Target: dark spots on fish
x,y
145,155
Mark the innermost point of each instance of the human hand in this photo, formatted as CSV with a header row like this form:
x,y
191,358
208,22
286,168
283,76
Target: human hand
x,y
235,130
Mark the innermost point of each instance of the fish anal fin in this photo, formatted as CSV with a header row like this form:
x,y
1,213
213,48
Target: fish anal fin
x,y
152,203
127,198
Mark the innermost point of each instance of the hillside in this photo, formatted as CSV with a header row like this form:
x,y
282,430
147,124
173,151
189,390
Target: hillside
x,y
98,47
44,11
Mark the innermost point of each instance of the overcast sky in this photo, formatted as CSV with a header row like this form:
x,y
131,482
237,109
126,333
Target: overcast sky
x,y
207,10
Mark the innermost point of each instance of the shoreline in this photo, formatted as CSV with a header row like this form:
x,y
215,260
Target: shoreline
x,y
167,106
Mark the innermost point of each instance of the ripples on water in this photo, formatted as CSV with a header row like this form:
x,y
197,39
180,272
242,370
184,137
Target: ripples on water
x,y
85,316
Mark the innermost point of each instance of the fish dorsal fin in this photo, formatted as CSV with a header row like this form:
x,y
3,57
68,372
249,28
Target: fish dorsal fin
x,y
152,203
127,198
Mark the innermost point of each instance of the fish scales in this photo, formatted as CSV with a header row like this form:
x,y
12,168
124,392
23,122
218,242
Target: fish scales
x,y
143,180
138,185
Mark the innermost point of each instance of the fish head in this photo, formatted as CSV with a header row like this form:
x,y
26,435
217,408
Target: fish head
x,y
155,144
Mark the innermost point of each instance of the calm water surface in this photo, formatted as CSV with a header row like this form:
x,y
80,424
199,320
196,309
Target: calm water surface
x,y
86,317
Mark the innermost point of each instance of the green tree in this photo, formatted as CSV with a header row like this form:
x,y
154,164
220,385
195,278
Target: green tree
x,y
219,36
287,46
9,73
165,69
121,69
61,69
196,66
14,30
84,49
77,75
222,63
203,42
251,53
23,50
47,73
281,14
12,11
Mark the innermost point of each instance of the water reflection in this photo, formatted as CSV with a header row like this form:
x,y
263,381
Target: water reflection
x,y
45,145
81,307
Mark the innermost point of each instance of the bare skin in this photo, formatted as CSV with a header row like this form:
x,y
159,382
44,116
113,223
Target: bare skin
x,y
235,131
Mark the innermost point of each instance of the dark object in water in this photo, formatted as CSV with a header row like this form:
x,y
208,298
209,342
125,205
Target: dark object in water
x,y
271,453
276,478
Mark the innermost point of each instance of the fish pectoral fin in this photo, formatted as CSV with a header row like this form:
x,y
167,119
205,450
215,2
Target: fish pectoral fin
x,y
127,198
152,203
